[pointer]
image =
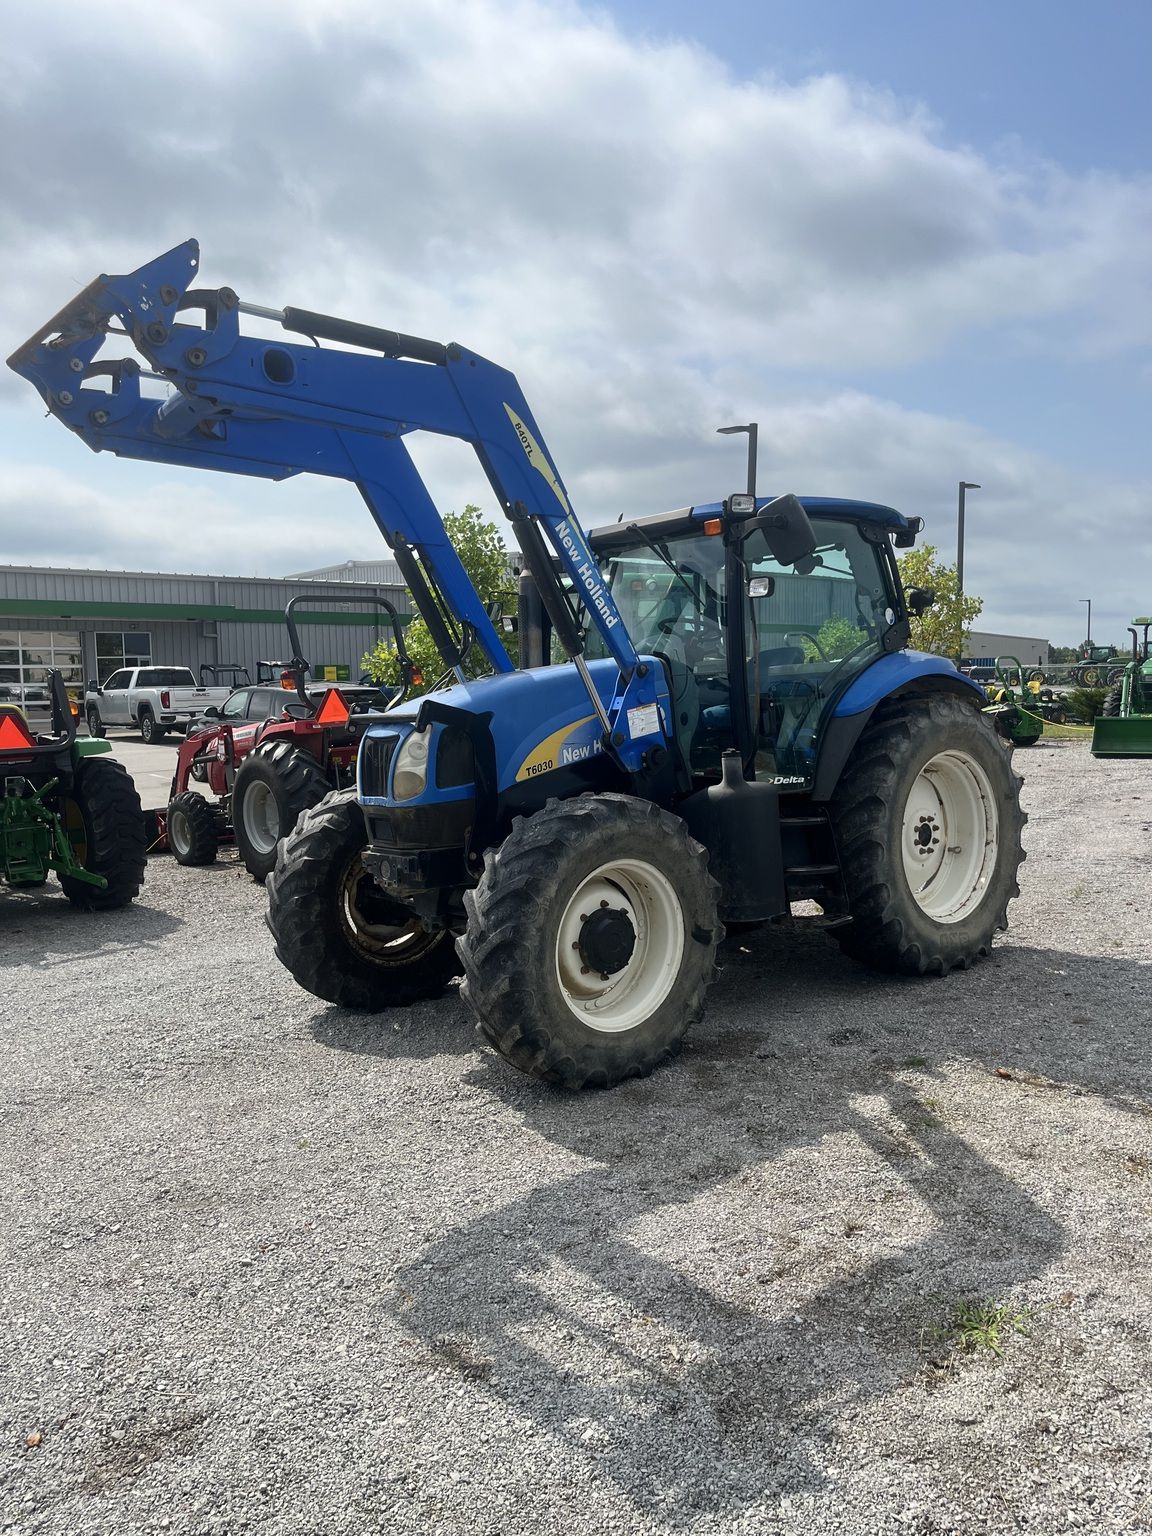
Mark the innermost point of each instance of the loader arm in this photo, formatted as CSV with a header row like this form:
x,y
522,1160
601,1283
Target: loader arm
x,y
245,405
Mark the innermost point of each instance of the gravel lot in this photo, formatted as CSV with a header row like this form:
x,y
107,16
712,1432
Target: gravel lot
x,y
267,1266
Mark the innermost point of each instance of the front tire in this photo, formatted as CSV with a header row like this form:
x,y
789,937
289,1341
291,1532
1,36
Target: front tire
x,y
338,933
1111,706
591,940
193,829
275,784
105,820
927,820
95,724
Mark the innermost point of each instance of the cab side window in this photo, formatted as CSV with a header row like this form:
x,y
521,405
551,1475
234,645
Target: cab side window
x,y
235,707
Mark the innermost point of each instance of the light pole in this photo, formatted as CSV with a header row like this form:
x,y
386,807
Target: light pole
x,y
965,485
751,429
1088,600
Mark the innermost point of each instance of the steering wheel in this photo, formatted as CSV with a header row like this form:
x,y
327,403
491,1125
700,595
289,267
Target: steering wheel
x,y
807,635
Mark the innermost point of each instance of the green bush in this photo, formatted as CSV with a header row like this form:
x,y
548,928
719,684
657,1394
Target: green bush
x,y
1086,703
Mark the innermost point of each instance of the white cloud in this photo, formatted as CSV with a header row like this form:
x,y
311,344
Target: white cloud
x,y
649,241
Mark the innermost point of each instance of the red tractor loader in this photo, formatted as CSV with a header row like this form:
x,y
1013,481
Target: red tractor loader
x,y
265,773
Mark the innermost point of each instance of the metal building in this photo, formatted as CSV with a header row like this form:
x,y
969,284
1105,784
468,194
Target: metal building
x,y
89,623
1029,650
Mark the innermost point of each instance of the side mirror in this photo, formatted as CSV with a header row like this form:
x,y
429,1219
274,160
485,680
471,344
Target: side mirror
x,y
761,586
919,600
211,713
785,526
93,686
905,538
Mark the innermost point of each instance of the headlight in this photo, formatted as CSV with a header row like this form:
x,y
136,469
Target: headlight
x,y
411,772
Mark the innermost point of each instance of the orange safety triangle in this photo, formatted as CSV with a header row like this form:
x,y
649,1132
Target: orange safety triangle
x,y
14,735
334,710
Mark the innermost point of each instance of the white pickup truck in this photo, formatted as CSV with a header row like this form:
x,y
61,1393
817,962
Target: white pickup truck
x,y
153,699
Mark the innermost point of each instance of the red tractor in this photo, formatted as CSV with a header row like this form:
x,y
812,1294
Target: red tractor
x,y
265,772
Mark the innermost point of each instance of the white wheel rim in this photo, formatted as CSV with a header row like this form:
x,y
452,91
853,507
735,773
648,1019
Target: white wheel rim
x,y
178,834
261,818
621,1001
388,942
950,837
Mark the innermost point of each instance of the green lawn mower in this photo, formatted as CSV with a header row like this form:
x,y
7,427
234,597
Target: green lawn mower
x,y
67,808
1019,708
1124,729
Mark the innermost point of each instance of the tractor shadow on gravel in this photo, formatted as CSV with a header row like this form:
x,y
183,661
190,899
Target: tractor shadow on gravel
x,y
752,1247
33,922
437,1027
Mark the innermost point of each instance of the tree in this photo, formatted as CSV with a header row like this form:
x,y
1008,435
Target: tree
x,y
484,557
943,628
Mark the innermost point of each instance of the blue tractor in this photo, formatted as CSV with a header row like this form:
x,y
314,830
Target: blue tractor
x,y
715,715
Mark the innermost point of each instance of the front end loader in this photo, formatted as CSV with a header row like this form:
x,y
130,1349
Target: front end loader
x,y
68,809
715,715
1124,727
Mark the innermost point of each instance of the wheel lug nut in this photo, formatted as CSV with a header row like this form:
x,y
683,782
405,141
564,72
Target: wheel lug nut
x,y
603,904
575,943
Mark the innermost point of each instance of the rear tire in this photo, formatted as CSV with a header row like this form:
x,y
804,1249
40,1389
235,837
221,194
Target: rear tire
x,y
927,820
150,732
530,950
339,934
95,724
113,824
193,829
275,784
1111,706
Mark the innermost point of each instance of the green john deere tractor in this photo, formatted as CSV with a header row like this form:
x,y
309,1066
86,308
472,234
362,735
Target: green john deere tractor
x,y
69,808
1124,729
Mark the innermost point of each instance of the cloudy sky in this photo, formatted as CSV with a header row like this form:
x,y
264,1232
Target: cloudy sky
x,y
913,241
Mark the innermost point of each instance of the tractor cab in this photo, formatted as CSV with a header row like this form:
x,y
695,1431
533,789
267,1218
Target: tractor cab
x,y
787,648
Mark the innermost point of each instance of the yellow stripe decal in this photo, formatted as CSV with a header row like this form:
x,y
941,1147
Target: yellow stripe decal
x,y
536,457
543,756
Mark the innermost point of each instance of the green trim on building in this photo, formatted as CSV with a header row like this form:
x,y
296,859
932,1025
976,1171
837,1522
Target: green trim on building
x,y
66,608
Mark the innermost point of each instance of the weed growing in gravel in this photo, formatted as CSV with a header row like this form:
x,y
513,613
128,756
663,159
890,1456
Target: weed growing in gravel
x,y
976,1325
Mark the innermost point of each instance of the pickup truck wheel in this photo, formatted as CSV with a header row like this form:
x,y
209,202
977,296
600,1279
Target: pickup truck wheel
x,y
95,724
339,934
193,829
106,827
275,784
150,732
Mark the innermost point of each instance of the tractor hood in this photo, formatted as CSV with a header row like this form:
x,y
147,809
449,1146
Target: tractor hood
x,y
538,719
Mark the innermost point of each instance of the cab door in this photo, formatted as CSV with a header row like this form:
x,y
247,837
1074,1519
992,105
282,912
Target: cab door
x,y
823,623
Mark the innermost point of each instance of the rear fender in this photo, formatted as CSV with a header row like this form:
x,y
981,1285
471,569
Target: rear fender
x,y
902,674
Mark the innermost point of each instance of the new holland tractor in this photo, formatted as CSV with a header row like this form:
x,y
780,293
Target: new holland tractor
x,y
67,809
715,715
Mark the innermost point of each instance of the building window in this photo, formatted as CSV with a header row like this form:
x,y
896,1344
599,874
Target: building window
x,y
116,649
26,655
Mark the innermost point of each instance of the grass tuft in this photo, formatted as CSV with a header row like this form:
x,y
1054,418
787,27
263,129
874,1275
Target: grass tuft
x,y
975,1325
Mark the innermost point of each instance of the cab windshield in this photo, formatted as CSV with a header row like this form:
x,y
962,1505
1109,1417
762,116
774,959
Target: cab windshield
x,y
823,621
